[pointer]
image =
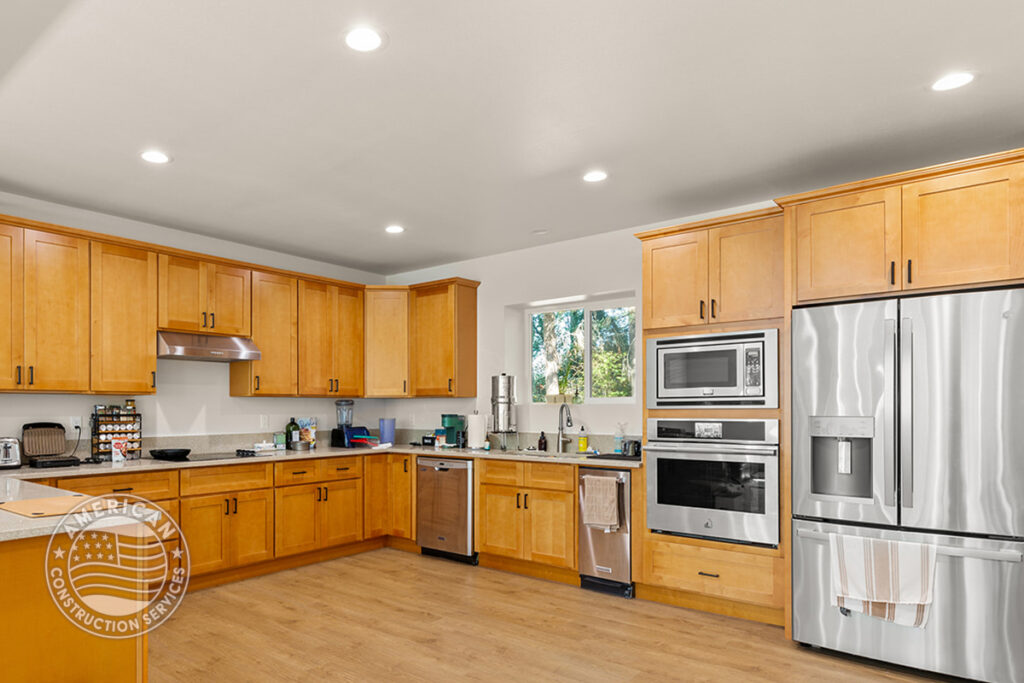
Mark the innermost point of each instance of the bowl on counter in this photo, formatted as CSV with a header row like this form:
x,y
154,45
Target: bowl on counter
x,y
172,454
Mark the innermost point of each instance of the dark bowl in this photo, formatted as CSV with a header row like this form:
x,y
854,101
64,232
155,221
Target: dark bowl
x,y
175,454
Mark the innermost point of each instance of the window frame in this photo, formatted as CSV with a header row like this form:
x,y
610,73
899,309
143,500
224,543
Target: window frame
x,y
587,307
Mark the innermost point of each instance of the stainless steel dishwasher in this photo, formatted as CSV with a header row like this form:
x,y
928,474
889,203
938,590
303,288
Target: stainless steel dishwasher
x,y
444,508
604,551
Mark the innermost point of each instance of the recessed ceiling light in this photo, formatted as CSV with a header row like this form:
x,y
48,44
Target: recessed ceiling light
x,y
394,229
540,232
363,39
155,156
594,176
954,80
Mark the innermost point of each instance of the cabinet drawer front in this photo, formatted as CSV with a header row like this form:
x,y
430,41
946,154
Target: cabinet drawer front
x,y
726,574
348,467
297,472
553,477
226,478
149,485
501,472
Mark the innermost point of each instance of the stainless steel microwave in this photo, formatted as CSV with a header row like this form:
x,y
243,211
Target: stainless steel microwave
x,y
724,370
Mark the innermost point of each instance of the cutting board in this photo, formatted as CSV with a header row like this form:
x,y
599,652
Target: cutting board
x,y
43,507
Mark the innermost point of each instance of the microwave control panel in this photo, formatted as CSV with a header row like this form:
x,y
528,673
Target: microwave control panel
x,y
752,369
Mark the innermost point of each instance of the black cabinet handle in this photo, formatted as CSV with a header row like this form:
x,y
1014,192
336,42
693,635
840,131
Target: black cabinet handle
x,y
702,309
257,382
910,271
124,490
342,469
31,374
713,576
236,505
325,493
154,379
526,501
19,375
299,472
319,495
449,385
517,500
712,308
403,386
204,318
227,507
405,465
892,273
213,320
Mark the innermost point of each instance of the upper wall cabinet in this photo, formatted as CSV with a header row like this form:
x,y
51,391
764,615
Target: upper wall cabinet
x,y
124,284
12,307
387,341
275,333
200,296
958,224
727,273
442,327
330,339
56,347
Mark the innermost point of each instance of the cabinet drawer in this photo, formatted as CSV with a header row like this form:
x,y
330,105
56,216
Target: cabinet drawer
x,y
296,472
553,477
721,573
149,485
348,467
202,480
501,472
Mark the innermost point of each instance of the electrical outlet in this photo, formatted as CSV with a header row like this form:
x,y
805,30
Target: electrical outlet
x,y
76,423
264,422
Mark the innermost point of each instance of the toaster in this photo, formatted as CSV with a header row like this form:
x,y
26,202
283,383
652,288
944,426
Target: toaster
x,y
10,453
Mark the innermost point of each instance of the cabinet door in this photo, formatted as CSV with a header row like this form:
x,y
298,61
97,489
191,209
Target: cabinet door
x,y
745,271
317,323
500,516
964,228
341,512
252,526
432,340
675,280
205,524
387,342
56,312
376,506
550,527
296,522
230,299
849,245
275,332
183,293
348,342
400,487
12,308
124,294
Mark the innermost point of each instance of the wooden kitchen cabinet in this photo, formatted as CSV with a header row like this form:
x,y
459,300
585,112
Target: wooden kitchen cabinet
x,y
388,495
313,516
849,245
341,512
56,277
442,327
330,339
745,271
252,527
201,296
499,515
12,307
124,303
226,530
275,333
536,525
675,280
387,342
376,507
964,228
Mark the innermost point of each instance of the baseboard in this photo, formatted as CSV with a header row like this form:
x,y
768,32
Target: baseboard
x,y
401,544
774,616
281,563
537,571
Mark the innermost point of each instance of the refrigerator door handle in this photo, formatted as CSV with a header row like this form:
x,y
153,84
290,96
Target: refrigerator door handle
x,y
946,550
889,407
907,412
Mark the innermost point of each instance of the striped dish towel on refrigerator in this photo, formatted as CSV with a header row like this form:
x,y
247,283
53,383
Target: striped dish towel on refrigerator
x,y
890,580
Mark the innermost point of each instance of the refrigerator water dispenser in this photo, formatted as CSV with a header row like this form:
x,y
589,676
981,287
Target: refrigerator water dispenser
x,y
841,456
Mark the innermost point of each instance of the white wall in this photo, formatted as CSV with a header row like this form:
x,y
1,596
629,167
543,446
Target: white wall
x,y
609,262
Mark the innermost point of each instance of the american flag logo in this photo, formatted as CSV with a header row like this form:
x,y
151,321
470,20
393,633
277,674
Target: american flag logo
x,y
117,573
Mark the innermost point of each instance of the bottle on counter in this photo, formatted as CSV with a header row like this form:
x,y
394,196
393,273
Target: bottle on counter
x,y
292,434
620,436
583,441
542,442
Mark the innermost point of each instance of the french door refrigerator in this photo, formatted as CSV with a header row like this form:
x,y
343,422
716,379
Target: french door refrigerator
x,y
908,424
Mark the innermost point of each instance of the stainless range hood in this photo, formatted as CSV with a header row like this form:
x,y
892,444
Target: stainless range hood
x,y
185,346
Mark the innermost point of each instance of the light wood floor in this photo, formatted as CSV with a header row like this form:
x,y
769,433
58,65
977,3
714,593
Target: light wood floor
x,y
389,615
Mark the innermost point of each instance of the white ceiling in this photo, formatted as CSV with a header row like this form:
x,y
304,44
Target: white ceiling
x,y
472,128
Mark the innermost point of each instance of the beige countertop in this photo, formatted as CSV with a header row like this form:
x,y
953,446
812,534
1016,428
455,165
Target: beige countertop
x,y
17,484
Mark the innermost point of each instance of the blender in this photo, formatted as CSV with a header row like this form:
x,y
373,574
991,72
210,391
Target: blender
x,y
344,407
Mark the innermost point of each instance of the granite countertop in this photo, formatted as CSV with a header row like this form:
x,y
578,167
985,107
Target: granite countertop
x,y
13,526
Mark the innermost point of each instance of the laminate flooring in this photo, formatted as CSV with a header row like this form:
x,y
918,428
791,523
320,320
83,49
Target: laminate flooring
x,y
388,615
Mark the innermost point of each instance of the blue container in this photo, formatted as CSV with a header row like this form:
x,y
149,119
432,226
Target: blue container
x,y
387,430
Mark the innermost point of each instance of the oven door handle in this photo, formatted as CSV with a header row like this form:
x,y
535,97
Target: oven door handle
x,y
720,449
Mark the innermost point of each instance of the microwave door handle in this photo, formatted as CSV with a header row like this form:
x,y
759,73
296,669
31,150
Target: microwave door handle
x,y
889,415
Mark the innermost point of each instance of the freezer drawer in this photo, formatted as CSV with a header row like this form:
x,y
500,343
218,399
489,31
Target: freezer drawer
x,y
976,626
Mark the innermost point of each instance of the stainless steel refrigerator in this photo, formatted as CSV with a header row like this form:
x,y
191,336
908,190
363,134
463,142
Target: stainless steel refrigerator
x,y
908,424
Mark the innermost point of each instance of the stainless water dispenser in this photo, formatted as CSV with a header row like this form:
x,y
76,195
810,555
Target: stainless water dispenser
x,y
841,456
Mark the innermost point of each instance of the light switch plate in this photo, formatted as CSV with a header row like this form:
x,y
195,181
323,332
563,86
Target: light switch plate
x,y
264,422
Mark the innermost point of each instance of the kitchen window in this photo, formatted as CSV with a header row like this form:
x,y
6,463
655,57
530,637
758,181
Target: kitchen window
x,y
587,353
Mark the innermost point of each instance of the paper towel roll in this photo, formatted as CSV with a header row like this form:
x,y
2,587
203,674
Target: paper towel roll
x,y
476,425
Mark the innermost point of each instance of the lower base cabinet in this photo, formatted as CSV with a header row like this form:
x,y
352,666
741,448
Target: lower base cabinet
x,y
314,516
388,501
226,530
528,524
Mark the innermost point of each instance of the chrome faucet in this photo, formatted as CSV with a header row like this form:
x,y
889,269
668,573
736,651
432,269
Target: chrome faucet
x,y
562,438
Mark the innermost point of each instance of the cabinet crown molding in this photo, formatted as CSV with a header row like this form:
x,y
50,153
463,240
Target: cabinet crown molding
x,y
716,222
